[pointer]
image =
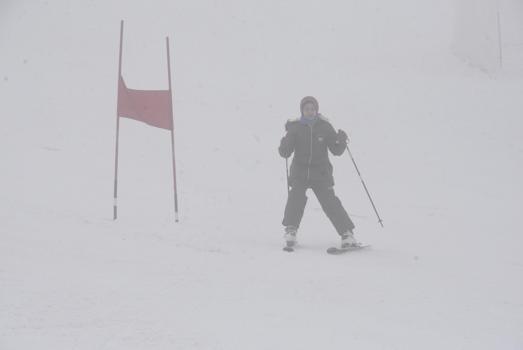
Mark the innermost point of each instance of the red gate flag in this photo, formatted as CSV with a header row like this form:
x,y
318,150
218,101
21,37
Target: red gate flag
x,y
149,106
153,107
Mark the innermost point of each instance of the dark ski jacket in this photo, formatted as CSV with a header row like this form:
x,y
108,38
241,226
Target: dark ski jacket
x,y
310,143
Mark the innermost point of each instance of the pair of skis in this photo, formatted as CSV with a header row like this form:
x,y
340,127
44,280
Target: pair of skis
x,y
336,250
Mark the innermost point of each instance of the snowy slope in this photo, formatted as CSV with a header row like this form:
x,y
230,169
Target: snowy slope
x,y
439,144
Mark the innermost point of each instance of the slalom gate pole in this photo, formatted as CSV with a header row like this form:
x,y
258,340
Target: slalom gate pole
x,y
175,188
115,188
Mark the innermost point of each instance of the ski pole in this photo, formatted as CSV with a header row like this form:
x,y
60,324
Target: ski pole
x,y
287,173
365,186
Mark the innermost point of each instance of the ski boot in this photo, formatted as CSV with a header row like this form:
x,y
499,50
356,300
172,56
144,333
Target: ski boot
x,y
348,240
290,236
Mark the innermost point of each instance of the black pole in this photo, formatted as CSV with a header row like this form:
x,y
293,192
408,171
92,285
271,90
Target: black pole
x,y
115,189
365,186
172,131
287,174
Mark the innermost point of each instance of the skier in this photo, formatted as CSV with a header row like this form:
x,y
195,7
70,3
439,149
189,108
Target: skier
x,y
309,137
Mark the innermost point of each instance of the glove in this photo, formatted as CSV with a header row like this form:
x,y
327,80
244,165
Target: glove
x,y
287,125
342,136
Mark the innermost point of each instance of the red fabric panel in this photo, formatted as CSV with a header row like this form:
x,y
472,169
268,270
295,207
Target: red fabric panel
x,y
149,106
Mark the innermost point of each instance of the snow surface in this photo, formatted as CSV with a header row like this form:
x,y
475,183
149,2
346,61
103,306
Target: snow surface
x,y
438,143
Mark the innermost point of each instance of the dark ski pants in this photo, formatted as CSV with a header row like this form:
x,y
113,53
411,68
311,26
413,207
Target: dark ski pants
x,y
330,204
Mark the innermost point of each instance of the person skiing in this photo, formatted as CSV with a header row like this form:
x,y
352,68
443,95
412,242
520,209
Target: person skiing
x,y
310,137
